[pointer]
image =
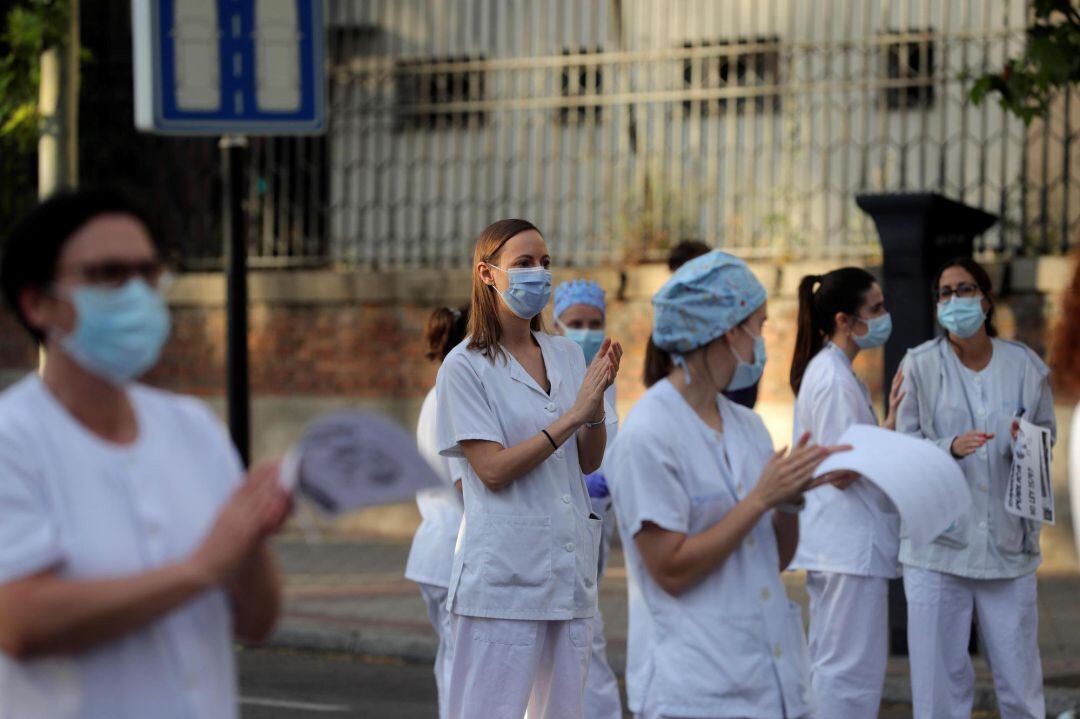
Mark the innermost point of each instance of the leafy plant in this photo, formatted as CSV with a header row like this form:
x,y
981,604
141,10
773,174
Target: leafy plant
x,y
30,28
1051,60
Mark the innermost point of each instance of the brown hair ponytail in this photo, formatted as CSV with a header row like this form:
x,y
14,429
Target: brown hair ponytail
x,y
657,363
841,291
445,330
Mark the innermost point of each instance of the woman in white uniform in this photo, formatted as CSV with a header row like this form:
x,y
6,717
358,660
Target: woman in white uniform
x,y
134,548
580,314
849,533
441,508
708,512
963,392
523,409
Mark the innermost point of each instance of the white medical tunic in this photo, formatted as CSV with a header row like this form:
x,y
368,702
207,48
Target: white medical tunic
x,y
986,542
88,509
851,531
432,554
529,551
733,645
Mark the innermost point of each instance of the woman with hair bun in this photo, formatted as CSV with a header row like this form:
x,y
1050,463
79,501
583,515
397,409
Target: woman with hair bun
x,y
432,554
708,512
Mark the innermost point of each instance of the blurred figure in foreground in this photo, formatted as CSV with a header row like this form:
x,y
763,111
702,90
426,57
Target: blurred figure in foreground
x,y
132,546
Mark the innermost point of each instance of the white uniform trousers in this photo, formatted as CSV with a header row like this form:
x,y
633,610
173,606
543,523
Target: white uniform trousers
x,y
435,599
939,627
849,643
602,689
503,667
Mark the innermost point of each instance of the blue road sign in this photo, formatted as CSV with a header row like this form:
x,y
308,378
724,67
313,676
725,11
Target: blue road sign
x,y
229,67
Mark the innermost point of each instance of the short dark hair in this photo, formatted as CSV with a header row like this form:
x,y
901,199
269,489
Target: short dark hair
x,y
684,252
33,247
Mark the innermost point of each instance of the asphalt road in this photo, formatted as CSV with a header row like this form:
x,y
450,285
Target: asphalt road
x,y
299,685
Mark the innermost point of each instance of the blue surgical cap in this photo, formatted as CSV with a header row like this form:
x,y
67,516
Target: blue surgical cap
x,y
705,298
578,292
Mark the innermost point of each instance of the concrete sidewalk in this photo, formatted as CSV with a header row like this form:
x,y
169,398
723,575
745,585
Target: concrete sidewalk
x,y
349,595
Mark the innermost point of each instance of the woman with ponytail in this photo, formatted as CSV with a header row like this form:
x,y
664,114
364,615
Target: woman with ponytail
x,y
527,414
850,531
432,553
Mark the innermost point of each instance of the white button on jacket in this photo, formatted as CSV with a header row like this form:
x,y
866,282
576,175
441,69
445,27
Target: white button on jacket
x,y
523,553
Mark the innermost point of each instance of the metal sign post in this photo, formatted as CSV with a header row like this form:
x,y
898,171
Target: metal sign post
x,y
234,226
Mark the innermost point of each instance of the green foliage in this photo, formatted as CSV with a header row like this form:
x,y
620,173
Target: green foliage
x,y
30,28
1050,61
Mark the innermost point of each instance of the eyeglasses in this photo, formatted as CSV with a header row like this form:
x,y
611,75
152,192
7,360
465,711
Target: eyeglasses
x,y
115,273
964,289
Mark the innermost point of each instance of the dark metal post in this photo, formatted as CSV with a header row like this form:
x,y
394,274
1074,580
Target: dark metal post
x,y
234,230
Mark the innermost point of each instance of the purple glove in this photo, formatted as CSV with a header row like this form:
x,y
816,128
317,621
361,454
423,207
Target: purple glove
x,y
597,485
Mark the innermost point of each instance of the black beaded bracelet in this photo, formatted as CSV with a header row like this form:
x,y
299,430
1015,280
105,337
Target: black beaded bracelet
x,y
555,446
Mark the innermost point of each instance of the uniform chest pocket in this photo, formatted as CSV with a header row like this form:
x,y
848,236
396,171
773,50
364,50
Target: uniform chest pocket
x,y
709,508
517,550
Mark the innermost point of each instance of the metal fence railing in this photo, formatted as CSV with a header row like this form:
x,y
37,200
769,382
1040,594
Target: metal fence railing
x,y
622,126
619,127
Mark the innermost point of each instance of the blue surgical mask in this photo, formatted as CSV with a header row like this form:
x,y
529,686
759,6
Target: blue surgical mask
x,y
588,340
878,333
119,332
747,374
962,316
529,290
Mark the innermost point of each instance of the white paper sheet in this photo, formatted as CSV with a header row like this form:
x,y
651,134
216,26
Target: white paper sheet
x,y
925,483
350,460
1030,493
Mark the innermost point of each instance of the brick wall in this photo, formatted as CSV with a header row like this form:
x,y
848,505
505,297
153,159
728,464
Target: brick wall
x,y
321,350
359,335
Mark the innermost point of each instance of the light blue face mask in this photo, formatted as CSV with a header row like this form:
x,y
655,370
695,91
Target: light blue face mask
x,y
588,340
747,374
528,292
878,333
119,332
962,316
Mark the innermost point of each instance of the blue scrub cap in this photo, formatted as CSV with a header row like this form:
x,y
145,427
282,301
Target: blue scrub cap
x,y
705,298
578,292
